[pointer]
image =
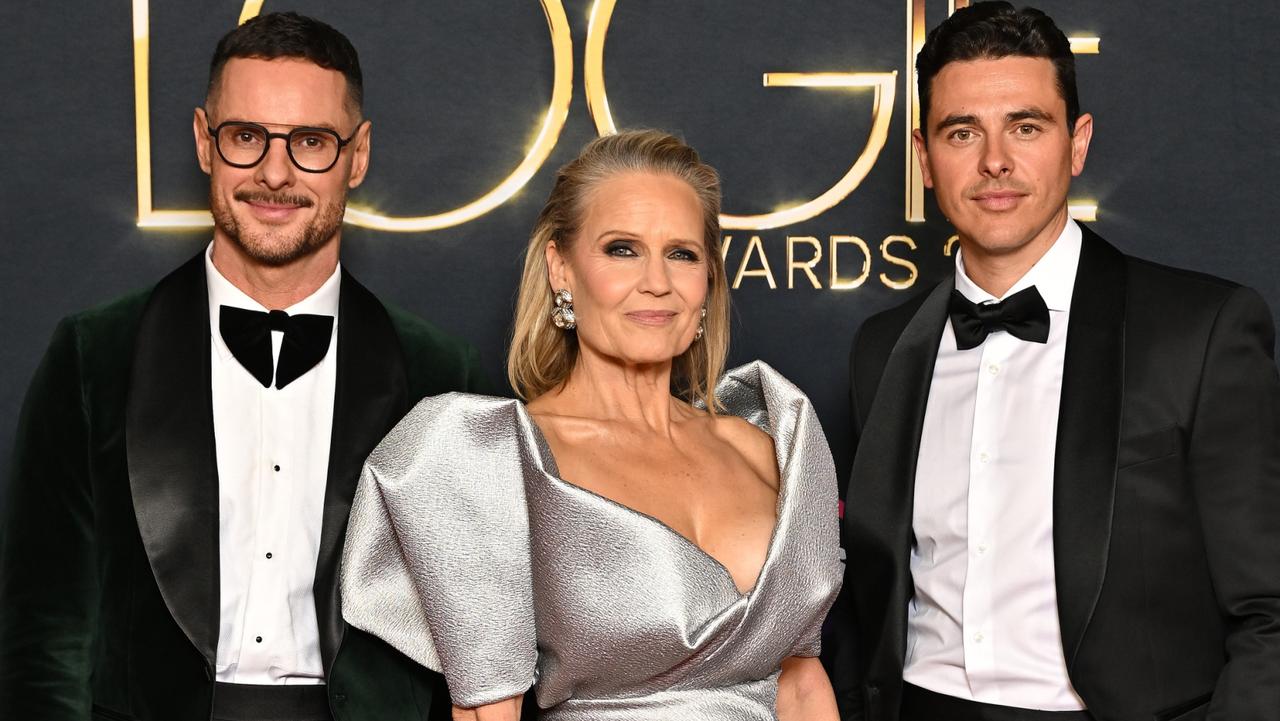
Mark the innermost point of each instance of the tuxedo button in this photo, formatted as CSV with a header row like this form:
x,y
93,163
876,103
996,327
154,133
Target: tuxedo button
x,y
277,468
258,639
268,555
339,698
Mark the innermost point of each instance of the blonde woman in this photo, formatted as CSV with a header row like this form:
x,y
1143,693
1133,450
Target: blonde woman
x,y
644,537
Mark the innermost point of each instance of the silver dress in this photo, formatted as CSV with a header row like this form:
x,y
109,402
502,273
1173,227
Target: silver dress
x,y
469,554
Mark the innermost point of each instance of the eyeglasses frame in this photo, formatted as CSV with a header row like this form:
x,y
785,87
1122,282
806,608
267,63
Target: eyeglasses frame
x,y
288,148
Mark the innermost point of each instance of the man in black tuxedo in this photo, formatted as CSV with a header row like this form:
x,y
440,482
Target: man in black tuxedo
x,y
1065,502
187,455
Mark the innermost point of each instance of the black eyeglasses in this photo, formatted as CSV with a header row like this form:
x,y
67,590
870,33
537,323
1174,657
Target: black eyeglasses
x,y
243,144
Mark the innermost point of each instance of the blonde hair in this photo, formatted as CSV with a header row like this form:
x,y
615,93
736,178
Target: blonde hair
x,y
541,354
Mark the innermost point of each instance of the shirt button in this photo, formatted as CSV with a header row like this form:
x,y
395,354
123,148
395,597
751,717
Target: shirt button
x,y
994,369
258,639
268,554
978,637
982,548
277,467
983,457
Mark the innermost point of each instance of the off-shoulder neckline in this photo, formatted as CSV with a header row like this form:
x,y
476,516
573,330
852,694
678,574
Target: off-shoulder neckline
x,y
552,471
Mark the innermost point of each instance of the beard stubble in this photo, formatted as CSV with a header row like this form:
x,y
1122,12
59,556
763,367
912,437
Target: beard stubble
x,y
278,247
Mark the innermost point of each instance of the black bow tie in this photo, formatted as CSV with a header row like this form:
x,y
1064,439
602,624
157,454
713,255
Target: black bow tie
x,y
248,335
1023,315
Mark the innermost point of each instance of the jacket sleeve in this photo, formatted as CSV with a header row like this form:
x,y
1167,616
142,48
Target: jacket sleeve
x,y
48,584
1234,465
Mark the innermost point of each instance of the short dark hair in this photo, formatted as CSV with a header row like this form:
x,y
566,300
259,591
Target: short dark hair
x,y
290,35
993,30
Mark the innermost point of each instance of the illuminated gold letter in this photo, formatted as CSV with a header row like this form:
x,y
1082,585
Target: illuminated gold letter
x,y
807,265
911,267
754,246
838,283
884,84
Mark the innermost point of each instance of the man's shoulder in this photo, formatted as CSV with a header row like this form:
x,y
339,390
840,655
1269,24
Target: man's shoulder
x,y
436,361
1150,282
885,326
1150,276
419,335
109,328
1160,295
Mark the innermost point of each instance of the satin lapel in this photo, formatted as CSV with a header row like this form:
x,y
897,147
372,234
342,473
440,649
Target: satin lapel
x,y
371,396
1088,436
887,451
173,471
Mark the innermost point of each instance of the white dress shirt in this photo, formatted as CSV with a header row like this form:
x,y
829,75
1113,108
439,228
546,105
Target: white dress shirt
x,y
983,624
273,458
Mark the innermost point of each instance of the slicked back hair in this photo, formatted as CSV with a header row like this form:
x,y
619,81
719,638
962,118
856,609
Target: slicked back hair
x,y
994,30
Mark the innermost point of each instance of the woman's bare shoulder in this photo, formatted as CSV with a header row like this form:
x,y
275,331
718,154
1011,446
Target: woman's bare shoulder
x,y
754,445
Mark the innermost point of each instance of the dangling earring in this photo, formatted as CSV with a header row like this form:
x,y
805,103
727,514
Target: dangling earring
x,y
697,335
562,316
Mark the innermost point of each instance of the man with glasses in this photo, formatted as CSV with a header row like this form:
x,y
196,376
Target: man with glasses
x,y
187,455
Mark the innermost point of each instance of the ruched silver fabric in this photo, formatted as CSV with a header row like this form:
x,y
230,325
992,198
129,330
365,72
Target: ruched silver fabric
x,y
469,554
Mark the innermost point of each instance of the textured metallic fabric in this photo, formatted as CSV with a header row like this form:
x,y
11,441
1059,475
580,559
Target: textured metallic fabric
x,y
468,553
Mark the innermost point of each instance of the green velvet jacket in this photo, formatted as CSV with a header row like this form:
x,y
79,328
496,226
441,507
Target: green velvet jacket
x,y
109,603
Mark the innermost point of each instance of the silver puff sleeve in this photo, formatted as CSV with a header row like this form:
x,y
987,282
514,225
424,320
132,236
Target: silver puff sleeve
x,y
436,561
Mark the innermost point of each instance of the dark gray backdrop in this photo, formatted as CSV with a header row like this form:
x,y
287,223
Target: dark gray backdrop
x,y
1184,95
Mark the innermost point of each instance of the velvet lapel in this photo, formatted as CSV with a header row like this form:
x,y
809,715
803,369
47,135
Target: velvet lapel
x,y
371,396
1088,436
885,466
173,471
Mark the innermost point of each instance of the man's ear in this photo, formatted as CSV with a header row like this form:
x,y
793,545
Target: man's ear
x,y
204,142
1080,143
360,146
922,152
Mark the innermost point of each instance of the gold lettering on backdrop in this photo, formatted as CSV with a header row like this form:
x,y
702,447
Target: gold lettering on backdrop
x,y
916,31
950,245
912,271
884,85
548,134
757,247
837,282
807,265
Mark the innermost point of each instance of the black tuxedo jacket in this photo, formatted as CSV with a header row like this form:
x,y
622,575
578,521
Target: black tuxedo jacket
x,y
109,604
1166,506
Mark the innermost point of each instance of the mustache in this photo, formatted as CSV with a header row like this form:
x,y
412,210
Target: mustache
x,y
983,188
258,196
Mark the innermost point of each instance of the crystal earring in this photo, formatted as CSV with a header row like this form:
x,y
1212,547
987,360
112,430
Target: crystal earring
x,y
563,316
702,328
